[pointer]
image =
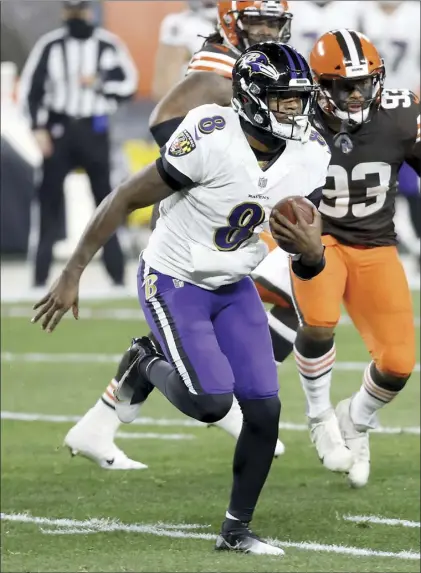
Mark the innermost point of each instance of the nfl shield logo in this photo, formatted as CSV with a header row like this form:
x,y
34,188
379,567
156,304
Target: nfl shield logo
x,y
262,182
178,283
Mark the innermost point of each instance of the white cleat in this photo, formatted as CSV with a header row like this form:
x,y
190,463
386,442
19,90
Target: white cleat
x,y
357,440
233,422
330,445
99,449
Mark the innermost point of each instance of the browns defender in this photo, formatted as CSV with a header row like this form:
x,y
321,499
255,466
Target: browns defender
x,y
208,80
371,132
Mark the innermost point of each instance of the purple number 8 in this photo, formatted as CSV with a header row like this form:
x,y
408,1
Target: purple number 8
x,y
242,221
208,125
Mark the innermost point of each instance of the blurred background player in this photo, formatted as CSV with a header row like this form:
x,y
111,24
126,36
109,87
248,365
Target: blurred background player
x,y
370,131
74,79
386,24
208,80
312,19
181,35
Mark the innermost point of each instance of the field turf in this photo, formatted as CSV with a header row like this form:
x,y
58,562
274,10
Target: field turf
x,y
164,518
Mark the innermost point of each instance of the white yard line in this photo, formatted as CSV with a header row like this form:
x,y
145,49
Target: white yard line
x,y
129,314
87,358
381,520
179,422
72,527
153,436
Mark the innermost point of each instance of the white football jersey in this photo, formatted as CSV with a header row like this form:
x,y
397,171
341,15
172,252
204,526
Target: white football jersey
x,y
397,38
186,29
312,21
208,233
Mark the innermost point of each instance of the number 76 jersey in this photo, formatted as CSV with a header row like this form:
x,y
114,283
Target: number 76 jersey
x,y
358,203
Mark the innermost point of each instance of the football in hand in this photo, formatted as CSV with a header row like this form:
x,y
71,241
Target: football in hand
x,y
284,207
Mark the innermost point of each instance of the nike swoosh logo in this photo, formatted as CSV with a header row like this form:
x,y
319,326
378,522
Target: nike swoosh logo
x,y
110,462
196,135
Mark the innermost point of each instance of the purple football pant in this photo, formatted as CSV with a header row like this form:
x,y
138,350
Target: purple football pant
x,y
218,341
409,182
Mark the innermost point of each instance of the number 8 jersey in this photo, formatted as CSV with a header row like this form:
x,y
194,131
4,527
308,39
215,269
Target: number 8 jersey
x,y
358,203
208,230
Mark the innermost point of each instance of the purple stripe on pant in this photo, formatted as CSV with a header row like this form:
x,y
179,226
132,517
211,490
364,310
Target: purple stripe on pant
x,y
219,340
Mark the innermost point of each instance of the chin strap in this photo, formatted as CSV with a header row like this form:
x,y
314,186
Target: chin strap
x,y
342,139
306,134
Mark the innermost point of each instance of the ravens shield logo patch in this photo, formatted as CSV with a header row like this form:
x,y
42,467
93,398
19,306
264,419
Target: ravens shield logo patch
x,y
183,144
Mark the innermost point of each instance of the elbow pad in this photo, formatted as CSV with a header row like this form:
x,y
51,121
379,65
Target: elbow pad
x,y
163,131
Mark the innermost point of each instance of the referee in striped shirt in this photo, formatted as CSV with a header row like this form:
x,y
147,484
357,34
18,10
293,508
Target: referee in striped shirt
x,y
73,80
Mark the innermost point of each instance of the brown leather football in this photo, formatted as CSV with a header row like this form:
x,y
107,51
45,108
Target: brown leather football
x,y
306,207
285,208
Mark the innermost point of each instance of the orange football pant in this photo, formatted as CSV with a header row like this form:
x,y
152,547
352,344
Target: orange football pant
x,y
373,286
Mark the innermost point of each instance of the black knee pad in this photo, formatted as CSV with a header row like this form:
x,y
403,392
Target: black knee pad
x,y
389,382
125,359
311,346
212,407
262,415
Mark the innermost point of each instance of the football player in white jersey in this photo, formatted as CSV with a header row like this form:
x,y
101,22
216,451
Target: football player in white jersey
x,y
180,36
218,177
208,80
312,19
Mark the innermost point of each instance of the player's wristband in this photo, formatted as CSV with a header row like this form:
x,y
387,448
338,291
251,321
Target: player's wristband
x,y
306,272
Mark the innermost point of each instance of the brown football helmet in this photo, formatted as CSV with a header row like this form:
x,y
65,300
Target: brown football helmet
x,y
351,74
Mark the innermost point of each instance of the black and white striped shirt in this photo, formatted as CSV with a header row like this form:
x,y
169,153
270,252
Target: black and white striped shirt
x,y
51,78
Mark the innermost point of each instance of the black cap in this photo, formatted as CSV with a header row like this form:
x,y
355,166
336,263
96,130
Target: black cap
x,y
79,4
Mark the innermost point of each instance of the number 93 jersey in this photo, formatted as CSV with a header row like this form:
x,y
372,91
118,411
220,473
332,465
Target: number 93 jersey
x,y
358,203
208,230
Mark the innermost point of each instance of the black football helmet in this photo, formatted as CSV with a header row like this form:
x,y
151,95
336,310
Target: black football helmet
x,y
269,72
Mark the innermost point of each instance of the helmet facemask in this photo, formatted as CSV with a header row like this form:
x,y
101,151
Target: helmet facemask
x,y
253,29
243,24
275,109
351,99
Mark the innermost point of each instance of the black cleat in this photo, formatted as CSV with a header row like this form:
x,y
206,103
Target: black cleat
x,y
133,387
236,536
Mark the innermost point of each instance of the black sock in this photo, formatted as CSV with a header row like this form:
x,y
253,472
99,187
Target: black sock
x,y
253,455
312,348
208,408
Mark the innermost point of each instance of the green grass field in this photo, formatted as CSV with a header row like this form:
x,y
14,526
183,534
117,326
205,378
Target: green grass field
x,y
165,518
